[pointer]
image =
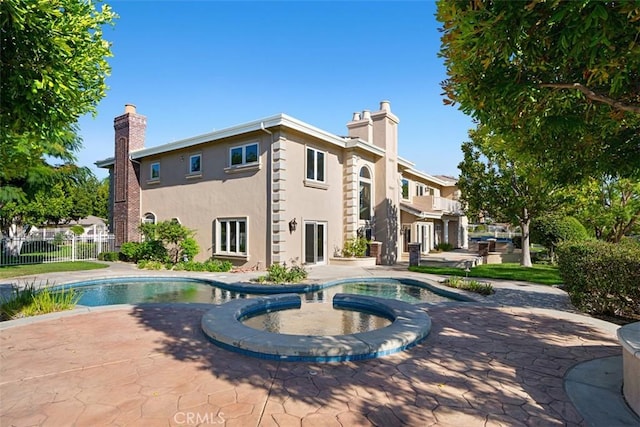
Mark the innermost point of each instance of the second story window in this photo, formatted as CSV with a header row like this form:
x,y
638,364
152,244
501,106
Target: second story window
x,y
315,165
195,164
154,171
405,189
243,155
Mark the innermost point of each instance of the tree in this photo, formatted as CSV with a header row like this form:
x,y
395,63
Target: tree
x,y
496,184
69,196
175,237
551,230
102,199
609,206
53,71
562,76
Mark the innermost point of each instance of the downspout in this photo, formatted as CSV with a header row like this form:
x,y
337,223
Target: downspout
x,y
269,195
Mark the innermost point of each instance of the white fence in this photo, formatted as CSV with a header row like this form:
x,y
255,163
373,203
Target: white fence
x,y
39,250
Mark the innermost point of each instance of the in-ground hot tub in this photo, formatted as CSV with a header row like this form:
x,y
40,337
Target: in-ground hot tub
x,y
409,325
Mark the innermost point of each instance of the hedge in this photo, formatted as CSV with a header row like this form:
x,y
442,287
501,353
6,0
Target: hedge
x,y
602,278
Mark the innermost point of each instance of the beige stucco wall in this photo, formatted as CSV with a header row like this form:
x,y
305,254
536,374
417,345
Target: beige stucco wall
x,y
307,203
198,201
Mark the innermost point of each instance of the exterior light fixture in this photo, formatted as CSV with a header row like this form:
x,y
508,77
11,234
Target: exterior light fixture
x,y
292,225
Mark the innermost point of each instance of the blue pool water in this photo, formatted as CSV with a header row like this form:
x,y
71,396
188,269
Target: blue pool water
x,y
163,290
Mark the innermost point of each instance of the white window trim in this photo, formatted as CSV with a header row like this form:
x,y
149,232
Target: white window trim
x,y
369,181
408,189
144,217
152,179
194,174
310,181
244,154
218,243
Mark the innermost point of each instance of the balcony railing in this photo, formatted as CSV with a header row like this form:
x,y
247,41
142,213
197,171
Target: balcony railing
x,y
437,204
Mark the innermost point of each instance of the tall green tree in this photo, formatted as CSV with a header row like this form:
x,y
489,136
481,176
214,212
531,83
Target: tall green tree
x,y
562,76
495,183
609,207
53,69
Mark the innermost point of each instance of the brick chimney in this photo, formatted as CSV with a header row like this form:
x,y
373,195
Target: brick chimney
x,y
129,136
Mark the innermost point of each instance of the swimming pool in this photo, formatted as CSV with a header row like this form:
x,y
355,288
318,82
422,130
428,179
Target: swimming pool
x,y
373,316
136,290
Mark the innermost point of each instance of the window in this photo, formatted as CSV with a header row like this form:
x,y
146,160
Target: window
x,y
315,165
195,164
232,236
405,189
154,171
149,218
243,155
420,190
365,194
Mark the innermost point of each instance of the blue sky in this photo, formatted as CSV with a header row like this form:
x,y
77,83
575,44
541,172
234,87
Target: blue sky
x,y
193,67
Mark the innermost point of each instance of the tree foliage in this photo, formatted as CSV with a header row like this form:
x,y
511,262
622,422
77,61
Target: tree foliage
x,y
494,183
174,237
609,206
561,77
72,194
551,230
53,71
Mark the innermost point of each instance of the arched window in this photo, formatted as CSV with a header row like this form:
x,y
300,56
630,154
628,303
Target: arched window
x,y
365,194
149,218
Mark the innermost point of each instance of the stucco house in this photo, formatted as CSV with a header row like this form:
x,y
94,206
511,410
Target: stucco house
x,y
279,190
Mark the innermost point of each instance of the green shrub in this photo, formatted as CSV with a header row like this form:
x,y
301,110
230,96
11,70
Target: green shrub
x,y
551,230
108,256
130,251
214,265
153,250
150,264
602,278
33,301
481,288
78,230
355,247
279,273
189,248
444,247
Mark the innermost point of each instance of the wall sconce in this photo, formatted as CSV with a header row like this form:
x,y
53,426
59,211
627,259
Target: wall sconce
x,y
292,225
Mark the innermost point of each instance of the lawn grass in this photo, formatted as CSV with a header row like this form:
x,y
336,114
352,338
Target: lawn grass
x,y
539,273
54,267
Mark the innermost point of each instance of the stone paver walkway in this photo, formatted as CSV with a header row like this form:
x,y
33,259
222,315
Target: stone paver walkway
x,y
151,365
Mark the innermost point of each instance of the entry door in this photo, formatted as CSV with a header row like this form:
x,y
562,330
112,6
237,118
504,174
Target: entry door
x,y
315,242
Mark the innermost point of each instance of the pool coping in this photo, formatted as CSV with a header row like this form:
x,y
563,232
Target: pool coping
x,y
222,325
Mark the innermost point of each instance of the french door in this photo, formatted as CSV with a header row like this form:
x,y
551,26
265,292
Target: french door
x,y
315,242
424,235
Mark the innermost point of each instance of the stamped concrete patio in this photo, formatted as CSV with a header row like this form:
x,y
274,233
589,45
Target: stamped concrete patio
x,y
499,362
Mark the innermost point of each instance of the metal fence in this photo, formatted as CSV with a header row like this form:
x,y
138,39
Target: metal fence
x,y
39,250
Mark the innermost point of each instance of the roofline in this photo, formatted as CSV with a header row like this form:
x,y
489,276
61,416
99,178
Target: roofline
x,y
256,125
417,212
431,178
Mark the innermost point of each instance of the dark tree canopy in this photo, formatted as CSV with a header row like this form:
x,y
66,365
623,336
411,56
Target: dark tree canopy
x,y
562,77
